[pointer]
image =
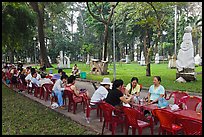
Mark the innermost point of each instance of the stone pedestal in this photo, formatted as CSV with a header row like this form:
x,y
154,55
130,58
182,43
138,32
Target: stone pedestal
x,y
187,74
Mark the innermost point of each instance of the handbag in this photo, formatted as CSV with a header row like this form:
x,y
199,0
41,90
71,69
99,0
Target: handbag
x,y
162,102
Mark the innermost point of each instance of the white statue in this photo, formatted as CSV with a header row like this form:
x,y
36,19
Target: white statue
x,y
127,59
185,58
28,60
172,61
61,60
198,60
157,58
66,62
88,59
135,52
142,61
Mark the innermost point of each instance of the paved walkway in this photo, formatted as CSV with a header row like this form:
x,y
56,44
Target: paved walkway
x,y
79,117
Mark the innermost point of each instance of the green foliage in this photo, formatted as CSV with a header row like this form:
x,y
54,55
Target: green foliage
x,y
18,23
22,116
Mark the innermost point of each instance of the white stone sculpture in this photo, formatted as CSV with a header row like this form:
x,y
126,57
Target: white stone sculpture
x,y
127,59
88,59
185,62
66,62
135,52
142,61
172,62
61,60
198,60
28,60
157,58
185,58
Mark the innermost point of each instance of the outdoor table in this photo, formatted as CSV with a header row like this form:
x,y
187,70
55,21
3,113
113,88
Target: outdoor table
x,y
191,114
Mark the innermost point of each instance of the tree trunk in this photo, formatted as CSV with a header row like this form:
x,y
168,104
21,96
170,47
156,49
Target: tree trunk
x,y
43,51
147,54
157,41
11,56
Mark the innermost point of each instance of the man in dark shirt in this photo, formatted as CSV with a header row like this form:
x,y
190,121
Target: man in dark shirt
x,y
115,96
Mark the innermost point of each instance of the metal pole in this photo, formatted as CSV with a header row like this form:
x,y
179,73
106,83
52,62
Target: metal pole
x,y
35,50
114,67
175,29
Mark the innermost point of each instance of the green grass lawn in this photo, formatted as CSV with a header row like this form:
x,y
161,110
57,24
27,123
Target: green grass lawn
x,y
127,71
21,116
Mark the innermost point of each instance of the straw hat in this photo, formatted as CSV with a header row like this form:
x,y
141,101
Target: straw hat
x,y
106,81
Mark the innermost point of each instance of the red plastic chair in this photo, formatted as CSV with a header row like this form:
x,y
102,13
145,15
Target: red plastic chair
x,y
21,85
88,108
9,77
73,100
191,127
167,121
36,89
137,120
48,76
109,118
47,88
53,80
177,96
191,102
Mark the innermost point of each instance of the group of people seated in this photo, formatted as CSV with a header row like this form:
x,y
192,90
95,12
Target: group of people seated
x,y
113,93
30,76
119,95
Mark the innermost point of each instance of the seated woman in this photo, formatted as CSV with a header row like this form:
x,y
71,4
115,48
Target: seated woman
x,y
133,88
71,87
155,91
75,70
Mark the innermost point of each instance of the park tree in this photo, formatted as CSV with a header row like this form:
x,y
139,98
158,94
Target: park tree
x,y
39,8
100,11
18,23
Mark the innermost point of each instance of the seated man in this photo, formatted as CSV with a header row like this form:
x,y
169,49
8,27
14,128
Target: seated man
x,y
34,79
101,93
115,97
29,76
44,80
75,70
58,89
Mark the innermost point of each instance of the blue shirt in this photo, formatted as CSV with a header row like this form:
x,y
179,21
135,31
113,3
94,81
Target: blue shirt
x,y
56,76
155,94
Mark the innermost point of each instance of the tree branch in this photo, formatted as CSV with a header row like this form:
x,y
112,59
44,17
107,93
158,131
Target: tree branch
x,y
94,16
111,14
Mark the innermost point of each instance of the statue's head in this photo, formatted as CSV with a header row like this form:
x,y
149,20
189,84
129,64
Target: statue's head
x,y
188,29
